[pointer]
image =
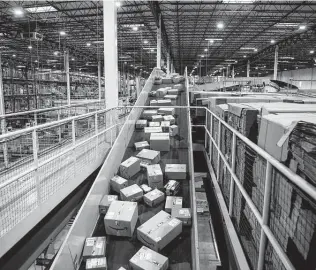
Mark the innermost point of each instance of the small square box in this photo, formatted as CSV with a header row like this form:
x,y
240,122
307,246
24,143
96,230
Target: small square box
x,y
145,188
153,102
94,247
105,203
117,183
161,92
150,156
169,118
172,187
140,124
183,214
154,197
130,167
171,97
160,141
141,145
173,130
166,80
164,102
96,264
150,130
157,118
165,125
121,218
166,111
171,202
132,193
147,114
155,176
176,171
154,124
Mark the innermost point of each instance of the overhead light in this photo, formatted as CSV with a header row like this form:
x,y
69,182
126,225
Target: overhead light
x,y
135,28
312,51
214,39
286,57
202,56
247,48
13,55
302,27
238,1
62,33
151,50
18,12
29,47
88,44
245,56
220,25
290,25
118,4
128,25
145,41
205,50
131,65
20,66
272,41
56,53
41,9
72,59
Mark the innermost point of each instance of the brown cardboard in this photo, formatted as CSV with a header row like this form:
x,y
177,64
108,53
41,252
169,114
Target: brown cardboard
x,y
153,102
183,214
150,156
154,124
176,171
131,193
147,114
117,183
94,247
130,167
160,141
141,145
155,176
171,202
154,197
96,264
201,203
105,203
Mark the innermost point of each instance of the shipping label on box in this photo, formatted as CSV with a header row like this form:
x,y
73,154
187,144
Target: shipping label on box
x,y
150,156
96,263
169,118
141,145
173,202
179,86
118,182
154,197
173,130
145,188
140,124
172,187
147,259
165,125
160,141
94,247
155,176
147,114
157,118
121,218
201,203
166,111
149,130
176,171
154,124
105,203
183,214
159,231
132,193
166,80
130,167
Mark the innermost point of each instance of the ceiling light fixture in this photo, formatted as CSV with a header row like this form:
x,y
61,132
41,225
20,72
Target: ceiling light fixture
x,y
255,50
202,56
88,44
29,47
205,50
312,51
272,41
287,57
18,12
13,55
220,25
72,59
245,56
62,33
145,41
302,27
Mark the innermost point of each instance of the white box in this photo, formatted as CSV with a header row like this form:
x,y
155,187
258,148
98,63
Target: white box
x,y
173,92
161,92
121,218
172,97
147,114
176,79
155,176
150,156
153,102
105,203
154,197
160,141
94,247
172,187
169,118
156,118
164,102
159,231
154,124
176,171
130,167
96,264
132,193
183,214
149,130
117,183
145,188
173,130
166,80
141,145
171,202
165,125
140,124
166,111
147,259
201,203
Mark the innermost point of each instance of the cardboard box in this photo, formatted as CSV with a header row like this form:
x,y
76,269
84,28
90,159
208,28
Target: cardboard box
x,y
105,203
173,91
154,124
145,188
164,102
172,187
150,156
201,203
153,102
154,197
183,214
160,141
171,97
166,111
147,259
161,92
178,86
141,145
132,193
155,176
171,202
166,80
149,130
173,130
96,263
147,114
117,183
140,124
176,171
121,218
159,231
156,118
130,167
143,165
165,125
169,118
94,247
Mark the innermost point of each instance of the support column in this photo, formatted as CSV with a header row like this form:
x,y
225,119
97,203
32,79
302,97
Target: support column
x,y
171,66
66,56
233,72
110,53
168,63
248,68
99,79
227,71
159,43
276,55
3,121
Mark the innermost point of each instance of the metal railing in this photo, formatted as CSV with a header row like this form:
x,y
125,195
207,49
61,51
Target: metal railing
x,y
272,208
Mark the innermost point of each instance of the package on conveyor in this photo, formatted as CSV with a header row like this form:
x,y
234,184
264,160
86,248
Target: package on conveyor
x,y
159,231
153,102
172,97
145,188
105,203
169,118
177,79
160,141
149,130
141,145
165,125
131,193
147,114
147,259
130,167
94,247
179,86
201,203
154,124
167,80
117,183
157,118
121,218
173,91
140,124
166,111
172,187
164,102
287,108
158,81
176,171
161,92
155,176
150,156
173,202
183,214
154,197
173,130
96,264
152,93
221,111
